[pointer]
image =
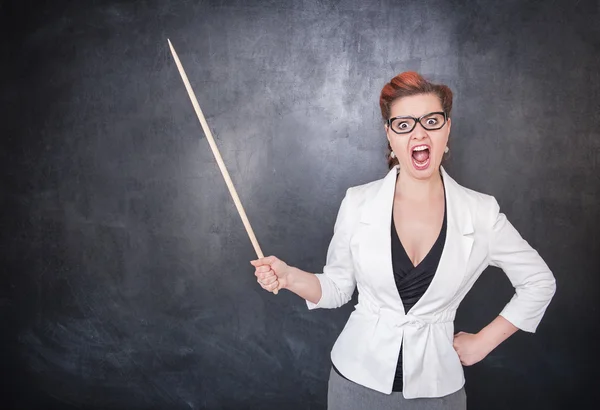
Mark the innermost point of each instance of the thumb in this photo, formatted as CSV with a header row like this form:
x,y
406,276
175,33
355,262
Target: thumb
x,y
269,260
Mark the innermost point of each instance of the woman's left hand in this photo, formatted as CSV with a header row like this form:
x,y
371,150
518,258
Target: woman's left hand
x,y
470,348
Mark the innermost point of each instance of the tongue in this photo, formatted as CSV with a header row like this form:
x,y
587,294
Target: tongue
x,y
421,156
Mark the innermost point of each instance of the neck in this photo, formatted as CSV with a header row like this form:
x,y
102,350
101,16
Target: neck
x,y
419,189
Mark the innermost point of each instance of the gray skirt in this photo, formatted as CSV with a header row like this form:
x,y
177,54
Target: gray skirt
x,y
347,395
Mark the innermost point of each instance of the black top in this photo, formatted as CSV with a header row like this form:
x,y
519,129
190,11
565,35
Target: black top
x,y
412,281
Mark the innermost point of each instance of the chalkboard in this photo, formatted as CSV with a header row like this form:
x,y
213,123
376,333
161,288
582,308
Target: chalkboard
x,y
126,275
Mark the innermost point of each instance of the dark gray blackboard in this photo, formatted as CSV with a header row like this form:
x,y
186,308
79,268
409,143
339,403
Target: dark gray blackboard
x,y
125,274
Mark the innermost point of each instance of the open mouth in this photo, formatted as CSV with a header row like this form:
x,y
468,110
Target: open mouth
x,y
420,157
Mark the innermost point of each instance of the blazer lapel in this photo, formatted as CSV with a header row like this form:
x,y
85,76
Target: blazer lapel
x,y
374,237
374,210
374,243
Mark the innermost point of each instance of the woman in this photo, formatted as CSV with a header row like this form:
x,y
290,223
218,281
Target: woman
x,y
414,243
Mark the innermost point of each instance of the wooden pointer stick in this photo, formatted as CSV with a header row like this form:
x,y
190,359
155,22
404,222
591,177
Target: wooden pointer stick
x,y
217,154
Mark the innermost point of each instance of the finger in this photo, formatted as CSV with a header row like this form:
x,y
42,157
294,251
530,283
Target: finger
x,y
265,275
269,273
266,279
262,284
272,287
269,280
264,268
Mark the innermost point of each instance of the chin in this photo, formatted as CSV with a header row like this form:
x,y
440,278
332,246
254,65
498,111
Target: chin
x,y
423,175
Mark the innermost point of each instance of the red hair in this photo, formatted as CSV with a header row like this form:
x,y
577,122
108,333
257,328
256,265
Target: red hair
x,y
404,85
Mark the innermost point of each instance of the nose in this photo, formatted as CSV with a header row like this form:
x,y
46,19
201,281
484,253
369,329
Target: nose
x,y
419,132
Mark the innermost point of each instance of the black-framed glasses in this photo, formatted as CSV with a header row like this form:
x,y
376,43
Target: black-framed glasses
x,y
405,124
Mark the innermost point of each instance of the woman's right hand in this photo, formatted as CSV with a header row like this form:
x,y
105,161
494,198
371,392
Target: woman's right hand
x,y
271,273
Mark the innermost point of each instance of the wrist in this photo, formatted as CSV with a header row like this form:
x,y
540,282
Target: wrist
x,y
290,277
486,340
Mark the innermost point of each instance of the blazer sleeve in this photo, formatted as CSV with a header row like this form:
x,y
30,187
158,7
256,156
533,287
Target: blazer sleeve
x,y
338,279
533,281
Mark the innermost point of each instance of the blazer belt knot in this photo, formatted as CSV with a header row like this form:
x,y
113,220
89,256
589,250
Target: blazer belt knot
x,y
399,319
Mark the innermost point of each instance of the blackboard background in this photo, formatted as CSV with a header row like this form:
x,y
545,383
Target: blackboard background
x,y
125,274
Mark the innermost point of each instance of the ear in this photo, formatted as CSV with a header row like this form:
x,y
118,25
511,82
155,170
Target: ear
x,y
387,135
449,125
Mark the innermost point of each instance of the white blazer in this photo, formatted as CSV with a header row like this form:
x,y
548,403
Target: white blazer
x,y
359,254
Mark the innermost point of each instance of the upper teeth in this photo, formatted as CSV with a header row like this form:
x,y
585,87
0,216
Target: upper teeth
x,y
420,148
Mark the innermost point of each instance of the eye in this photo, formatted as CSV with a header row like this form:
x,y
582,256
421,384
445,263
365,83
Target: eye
x,y
403,125
431,121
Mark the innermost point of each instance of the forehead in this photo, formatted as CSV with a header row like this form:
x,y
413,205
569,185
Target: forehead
x,y
415,105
